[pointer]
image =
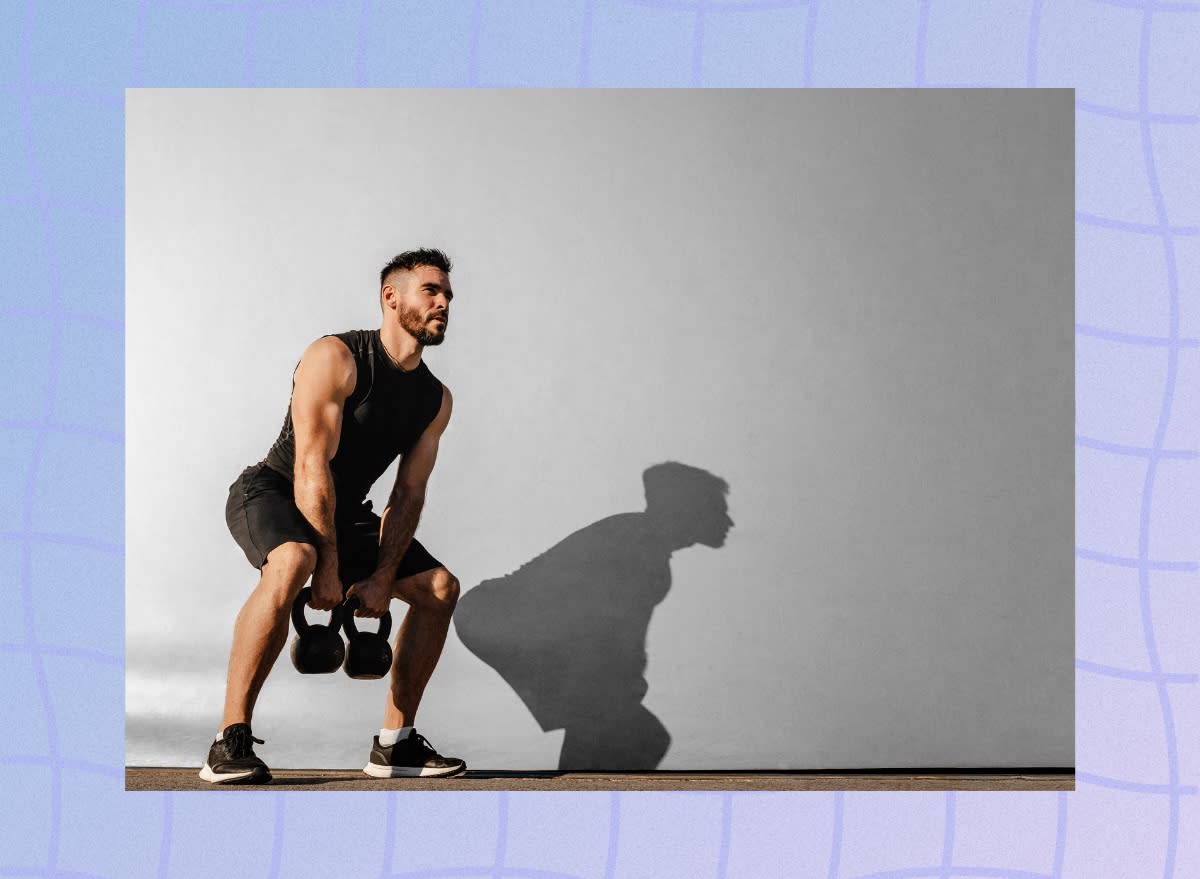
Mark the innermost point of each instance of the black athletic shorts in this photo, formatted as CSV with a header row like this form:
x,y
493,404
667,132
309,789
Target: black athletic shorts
x,y
261,514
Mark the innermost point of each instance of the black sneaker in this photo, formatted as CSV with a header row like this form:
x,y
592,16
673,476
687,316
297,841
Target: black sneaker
x,y
231,759
413,757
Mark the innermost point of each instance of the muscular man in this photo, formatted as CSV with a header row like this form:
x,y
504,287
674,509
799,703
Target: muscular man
x,y
359,400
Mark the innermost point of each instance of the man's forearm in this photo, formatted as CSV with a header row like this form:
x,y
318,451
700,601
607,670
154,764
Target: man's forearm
x,y
316,501
399,525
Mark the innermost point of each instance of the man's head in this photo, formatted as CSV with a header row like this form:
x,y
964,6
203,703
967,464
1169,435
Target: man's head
x,y
688,503
414,291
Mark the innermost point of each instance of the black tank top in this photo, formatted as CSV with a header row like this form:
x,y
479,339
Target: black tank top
x,y
383,418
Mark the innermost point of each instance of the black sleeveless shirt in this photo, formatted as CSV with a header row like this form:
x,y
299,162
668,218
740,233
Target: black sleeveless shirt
x,y
383,418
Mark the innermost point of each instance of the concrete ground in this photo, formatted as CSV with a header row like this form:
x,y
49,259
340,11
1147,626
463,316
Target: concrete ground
x,y
138,778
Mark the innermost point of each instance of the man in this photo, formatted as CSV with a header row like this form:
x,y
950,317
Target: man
x,y
359,400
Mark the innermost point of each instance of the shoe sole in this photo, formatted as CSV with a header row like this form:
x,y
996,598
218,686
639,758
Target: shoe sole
x,y
250,776
375,770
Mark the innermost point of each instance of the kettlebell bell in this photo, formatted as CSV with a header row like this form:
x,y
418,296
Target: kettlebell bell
x,y
368,654
316,649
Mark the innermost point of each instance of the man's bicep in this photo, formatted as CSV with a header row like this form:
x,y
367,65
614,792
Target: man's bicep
x,y
317,425
322,386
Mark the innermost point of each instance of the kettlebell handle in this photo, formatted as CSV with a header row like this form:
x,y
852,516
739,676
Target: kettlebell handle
x,y
302,625
351,605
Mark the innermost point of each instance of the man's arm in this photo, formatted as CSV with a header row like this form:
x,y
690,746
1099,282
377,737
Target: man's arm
x,y
324,379
402,513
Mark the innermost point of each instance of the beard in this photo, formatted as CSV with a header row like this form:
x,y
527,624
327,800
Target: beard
x,y
416,325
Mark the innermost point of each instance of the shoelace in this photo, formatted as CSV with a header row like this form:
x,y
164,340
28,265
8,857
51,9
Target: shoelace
x,y
423,744
238,742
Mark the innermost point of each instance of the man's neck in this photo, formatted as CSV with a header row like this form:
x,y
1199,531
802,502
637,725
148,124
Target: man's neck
x,y
402,349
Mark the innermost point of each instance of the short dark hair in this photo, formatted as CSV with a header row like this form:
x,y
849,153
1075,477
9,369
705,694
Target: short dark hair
x,y
410,259
671,485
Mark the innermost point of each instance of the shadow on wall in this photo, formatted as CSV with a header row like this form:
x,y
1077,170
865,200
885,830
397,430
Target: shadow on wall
x,y
567,630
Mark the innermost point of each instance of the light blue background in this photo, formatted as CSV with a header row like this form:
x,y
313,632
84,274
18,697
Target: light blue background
x,y
1138,208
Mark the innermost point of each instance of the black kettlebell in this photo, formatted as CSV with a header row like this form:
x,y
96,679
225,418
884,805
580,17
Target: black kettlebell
x,y
316,649
368,654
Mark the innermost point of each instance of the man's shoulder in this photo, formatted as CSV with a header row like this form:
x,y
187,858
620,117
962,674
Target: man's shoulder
x,y
328,360
348,346
347,340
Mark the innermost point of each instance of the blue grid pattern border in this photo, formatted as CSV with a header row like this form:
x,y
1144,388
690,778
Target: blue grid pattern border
x,y
1132,64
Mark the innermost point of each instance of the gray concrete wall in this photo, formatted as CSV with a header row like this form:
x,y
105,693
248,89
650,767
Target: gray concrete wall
x,y
853,307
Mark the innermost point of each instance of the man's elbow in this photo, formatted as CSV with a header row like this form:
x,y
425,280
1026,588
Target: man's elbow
x,y
311,468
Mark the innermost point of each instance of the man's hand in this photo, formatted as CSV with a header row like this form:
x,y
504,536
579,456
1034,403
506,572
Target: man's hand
x,y
326,588
374,596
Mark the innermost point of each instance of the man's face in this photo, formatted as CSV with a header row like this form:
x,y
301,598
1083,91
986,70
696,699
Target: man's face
x,y
420,300
714,526
695,516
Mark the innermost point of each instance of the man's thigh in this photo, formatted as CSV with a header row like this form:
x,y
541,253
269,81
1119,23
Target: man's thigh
x,y
261,514
358,553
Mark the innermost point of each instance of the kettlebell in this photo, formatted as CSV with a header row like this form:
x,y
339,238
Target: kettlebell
x,y
316,649
368,654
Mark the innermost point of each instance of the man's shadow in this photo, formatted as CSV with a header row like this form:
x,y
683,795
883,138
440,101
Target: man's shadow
x,y
567,630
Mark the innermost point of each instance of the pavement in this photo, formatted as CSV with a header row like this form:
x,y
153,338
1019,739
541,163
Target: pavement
x,y
149,778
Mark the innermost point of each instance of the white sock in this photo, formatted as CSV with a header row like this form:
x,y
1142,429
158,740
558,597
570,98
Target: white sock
x,y
389,737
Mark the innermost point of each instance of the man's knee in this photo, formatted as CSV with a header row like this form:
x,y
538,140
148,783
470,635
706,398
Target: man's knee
x,y
435,590
444,590
289,566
